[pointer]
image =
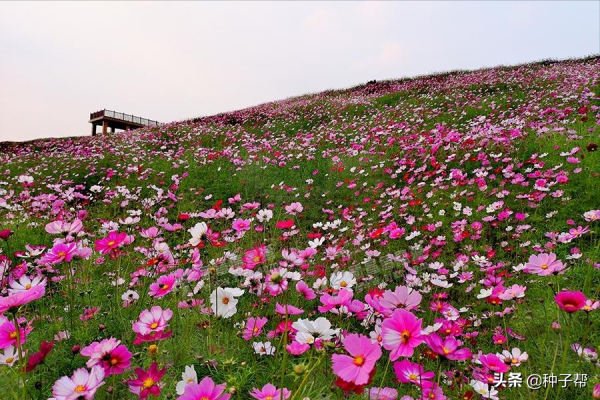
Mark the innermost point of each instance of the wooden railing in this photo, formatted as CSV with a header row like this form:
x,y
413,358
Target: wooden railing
x,y
123,117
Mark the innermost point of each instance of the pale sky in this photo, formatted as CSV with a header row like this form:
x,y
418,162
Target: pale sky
x,y
168,61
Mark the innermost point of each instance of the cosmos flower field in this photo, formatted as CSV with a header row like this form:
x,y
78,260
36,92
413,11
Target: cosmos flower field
x,y
408,239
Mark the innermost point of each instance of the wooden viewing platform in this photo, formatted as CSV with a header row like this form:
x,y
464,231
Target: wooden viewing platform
x,y
117,120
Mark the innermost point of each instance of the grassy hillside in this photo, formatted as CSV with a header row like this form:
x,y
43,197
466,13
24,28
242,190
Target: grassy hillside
x,y
438,199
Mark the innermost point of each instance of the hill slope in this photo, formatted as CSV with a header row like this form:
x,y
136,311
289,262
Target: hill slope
x,y
447,196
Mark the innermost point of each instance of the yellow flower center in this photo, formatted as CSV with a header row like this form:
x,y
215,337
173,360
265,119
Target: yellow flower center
x,y
148,383
164,286
62,253
359,360
113,361
28,286
152,349
255,330
269,398
13,335
225,300
544,266
343,283
79,389
111,243
9,360
256,259
413,377
154,325
405,336
446,351
514,361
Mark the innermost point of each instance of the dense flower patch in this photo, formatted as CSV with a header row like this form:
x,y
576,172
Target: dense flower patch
x,y
399,240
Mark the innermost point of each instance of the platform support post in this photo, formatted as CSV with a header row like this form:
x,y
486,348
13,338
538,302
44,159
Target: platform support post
x,y
104,126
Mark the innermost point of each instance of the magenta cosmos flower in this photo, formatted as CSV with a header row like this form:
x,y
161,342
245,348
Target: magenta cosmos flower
x,y
59,253
544,264
82,385
408,372
163,286
493,363
16,300
570,301
254,257
401,333
254,327
205,390
363,356
447,347
8,335
111,242
152,321
146,383
270,392
110,354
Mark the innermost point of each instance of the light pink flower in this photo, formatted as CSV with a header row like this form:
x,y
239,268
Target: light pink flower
x,y
401,333
363,356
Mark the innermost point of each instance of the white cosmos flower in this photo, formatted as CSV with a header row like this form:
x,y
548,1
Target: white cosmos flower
x,y
263,349
316,242
342,279
9,356
486,391
197,232
223,301
24,284
310,331
188,376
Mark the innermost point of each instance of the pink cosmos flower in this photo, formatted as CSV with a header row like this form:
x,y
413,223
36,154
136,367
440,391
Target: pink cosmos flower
x,y
294,208
150,233
146,382
401,333
254,327
297,348
8,335
111,242
241,225
543,264
270,392
401,297
205,390
386,393
89,313
60,252
287,309
163,286
408,372
62,227
570,301
110,354
493,363
305,290
255,256
363,356
276,282
447,347
16,300
152,321
432,391
82,385
343,298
